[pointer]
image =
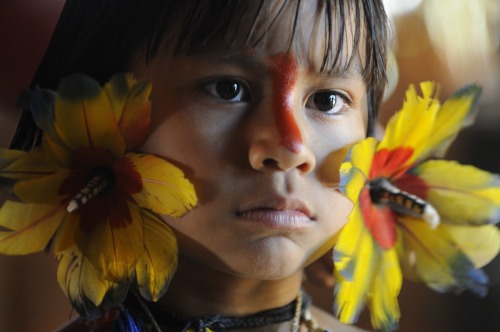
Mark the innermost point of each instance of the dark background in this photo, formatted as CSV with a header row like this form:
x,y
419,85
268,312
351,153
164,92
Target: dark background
x,y
452,42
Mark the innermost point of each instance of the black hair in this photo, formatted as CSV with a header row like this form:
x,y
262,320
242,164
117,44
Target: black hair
x,y
100,37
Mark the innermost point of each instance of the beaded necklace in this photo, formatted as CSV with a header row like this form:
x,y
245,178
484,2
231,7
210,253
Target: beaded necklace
x,y
140,316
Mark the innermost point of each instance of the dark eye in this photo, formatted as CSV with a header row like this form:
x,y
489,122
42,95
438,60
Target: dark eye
x,y
327,101
228,90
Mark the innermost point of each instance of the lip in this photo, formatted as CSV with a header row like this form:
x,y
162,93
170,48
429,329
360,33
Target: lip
x,y
278,213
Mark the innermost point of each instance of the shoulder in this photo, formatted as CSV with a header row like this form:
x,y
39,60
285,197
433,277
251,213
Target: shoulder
x,y
107,320
327,321
74,325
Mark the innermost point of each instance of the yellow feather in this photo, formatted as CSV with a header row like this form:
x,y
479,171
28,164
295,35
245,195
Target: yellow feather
x,y
383,299
114,251
436,258
41,190
427,127
480,243
79,280
84,116
365,273
461,194
32,226
355,253
361,154
456,113
129,100
67,234
165,189
356,257
29,165
158,261
56,152
7,157
444,258
412,126
356,168
429,265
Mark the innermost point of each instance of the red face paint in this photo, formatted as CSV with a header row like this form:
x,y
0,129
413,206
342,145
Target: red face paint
x,y
284,74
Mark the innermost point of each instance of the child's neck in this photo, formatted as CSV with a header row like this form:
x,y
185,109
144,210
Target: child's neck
x,y
198,290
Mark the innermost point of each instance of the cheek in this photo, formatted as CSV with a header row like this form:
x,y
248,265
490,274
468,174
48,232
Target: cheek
x,y
163,141
335,209
164,131
332,145
176,132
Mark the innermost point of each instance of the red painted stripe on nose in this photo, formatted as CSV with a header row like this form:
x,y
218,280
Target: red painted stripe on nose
x,y
284,75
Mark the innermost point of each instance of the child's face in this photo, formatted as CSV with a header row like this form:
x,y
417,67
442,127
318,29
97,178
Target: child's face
x,y
258,134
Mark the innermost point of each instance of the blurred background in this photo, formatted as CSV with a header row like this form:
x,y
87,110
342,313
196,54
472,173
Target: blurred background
x,y
453,42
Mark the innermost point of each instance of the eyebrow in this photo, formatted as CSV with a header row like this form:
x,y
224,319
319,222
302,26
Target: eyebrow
x,y
236,58
250,61
352,67
344,73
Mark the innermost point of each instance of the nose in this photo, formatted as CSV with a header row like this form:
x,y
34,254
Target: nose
x,y
269,145
268,154
277,141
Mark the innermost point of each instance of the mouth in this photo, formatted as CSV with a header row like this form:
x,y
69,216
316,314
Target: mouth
x,y
278,213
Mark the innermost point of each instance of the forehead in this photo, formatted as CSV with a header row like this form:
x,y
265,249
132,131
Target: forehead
x,y
321,36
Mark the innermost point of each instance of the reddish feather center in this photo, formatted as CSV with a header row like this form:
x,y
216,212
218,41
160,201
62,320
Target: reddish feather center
x,y
110,205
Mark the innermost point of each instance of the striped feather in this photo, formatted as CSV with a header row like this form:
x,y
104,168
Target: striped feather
x,y
437,260
355,257
158,261
129,100
30,226
383,297
165,189
461,194
85,117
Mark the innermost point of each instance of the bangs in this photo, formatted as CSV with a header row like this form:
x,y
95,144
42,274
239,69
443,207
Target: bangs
x,y
353,33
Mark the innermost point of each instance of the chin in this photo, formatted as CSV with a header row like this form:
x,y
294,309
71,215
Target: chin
x,y
263,271
271,260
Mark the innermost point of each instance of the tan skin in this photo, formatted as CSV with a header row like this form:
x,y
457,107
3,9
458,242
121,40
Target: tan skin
x,y
265,211
232,153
